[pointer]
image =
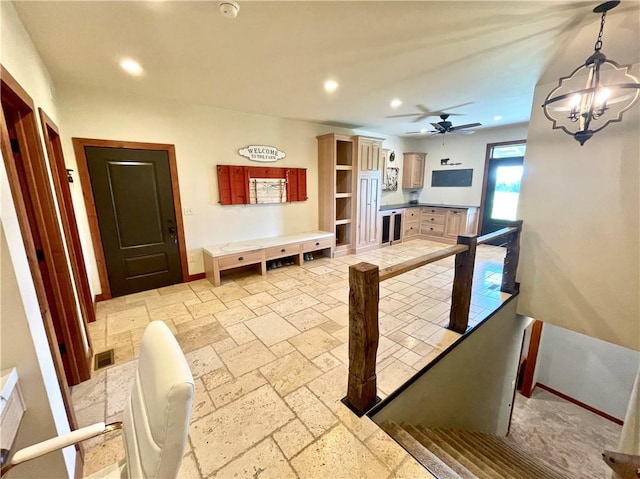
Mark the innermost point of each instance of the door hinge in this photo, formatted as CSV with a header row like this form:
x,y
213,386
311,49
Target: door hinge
x,y
63,348
40,255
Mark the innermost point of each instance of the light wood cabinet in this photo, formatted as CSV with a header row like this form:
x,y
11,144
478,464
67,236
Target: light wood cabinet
x,y
455,223
445,224
368,205
336,163
391,223
413,170
369,153
349,179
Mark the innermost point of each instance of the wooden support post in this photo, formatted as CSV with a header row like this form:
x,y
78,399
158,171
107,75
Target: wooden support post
x,y
511,259
462,284
364,294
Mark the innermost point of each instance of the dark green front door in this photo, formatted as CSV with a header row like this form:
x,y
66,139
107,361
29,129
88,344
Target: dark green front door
x,y
134,202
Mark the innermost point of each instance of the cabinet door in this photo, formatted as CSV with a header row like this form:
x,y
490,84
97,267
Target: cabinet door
x,y
397,227
455,223
368,203
417,172
386,229
365,159
374,196
376,157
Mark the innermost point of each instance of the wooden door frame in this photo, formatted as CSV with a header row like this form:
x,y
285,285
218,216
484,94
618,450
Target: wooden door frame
x,y
34,147
487,160
51,135
79,145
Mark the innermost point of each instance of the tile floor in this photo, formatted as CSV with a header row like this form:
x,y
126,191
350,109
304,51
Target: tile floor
x,y
269,356
568,437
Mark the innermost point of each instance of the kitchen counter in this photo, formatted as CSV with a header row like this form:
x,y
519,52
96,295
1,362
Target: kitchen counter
x,y
408,205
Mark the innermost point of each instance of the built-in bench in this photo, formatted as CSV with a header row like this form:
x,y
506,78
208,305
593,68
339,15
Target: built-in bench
x,y
257,252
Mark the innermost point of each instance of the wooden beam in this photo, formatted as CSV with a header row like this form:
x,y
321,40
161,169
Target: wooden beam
x,y
510,268
364,294
462,284
406,266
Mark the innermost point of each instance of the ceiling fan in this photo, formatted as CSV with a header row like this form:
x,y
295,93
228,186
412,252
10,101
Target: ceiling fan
x,y
426,113
445,126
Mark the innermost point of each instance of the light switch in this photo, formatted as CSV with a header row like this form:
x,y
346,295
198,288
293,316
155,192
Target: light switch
x,y
187,211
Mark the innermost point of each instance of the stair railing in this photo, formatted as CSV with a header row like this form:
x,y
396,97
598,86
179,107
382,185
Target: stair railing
x,y
364,296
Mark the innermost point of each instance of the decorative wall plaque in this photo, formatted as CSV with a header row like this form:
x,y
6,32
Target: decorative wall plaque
x,y
262,153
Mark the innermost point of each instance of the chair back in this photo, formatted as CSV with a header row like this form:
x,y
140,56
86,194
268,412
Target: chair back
x,y
156,417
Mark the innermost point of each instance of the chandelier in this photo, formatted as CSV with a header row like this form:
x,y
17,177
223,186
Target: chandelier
x,y
595,94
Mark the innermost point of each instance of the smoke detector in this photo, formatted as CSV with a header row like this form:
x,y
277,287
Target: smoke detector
x,y
229,8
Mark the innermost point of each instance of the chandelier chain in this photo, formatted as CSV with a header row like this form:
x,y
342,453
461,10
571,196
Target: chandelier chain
x,y
598,44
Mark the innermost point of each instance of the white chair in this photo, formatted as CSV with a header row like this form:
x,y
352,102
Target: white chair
x,y
156,417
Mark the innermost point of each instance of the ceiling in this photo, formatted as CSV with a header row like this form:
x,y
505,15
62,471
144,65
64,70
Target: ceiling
x,y
275,56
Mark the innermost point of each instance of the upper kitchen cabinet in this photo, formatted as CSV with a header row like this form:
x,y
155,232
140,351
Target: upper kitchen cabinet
x,y
369,153
413,170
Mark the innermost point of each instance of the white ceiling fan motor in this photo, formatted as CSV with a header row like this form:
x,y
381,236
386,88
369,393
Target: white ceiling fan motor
x,y
229,9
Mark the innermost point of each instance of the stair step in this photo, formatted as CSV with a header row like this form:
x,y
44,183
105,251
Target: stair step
x,y
452,462
425,457
464,457
535,468
489,455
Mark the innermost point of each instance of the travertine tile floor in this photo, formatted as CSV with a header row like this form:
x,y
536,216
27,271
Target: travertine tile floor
x,y
269,356
567,436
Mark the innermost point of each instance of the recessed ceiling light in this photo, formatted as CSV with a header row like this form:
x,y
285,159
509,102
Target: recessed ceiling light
x,y
395,103
497,118
132,67
331,86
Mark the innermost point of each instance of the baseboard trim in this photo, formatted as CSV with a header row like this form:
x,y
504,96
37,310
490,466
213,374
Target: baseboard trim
x,y
98,297
197,276
580,403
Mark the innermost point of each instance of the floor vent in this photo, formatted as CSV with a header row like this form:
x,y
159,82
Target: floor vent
x,y
103,359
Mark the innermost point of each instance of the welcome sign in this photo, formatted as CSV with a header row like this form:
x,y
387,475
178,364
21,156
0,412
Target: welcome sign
x,y
262,153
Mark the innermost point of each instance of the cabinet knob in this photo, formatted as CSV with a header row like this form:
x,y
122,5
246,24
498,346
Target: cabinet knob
x,y
431,219
283,250
317,243
431,229
240,258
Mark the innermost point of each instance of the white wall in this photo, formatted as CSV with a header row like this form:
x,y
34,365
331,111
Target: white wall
x,y
471,387
470,151
24,342
581,235
595,372
204,137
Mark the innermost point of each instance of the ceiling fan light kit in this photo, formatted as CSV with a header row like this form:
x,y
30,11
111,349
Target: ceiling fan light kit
x,y
595,94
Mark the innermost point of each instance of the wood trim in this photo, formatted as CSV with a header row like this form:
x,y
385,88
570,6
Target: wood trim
x,y
44,219
98,297
532,358
581,404
87,193
177,206
51,135
7,81
487,157
197,276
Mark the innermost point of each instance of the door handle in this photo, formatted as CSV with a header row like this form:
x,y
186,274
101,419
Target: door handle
x,y
172,230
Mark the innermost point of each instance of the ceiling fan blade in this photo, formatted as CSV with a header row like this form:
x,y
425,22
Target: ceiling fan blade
x,y
463,132
422,118
403,115
423,109
438,127
412,132
468,125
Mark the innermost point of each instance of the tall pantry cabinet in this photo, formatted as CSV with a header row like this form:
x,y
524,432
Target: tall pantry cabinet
x,y
349,172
